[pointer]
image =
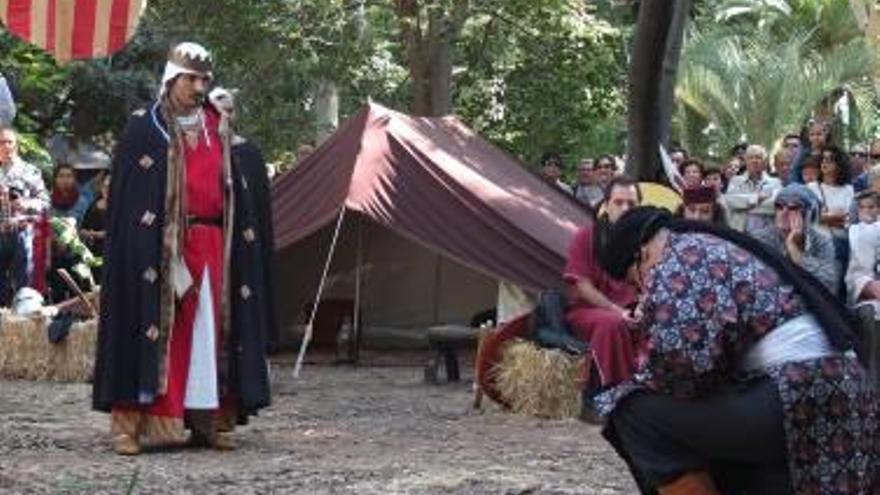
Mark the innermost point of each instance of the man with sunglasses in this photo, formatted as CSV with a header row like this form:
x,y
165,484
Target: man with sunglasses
x,y
551,171
859,159
861,162
793,233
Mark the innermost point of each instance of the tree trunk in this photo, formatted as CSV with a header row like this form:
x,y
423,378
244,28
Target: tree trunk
x,y
326,109
861,12
440,54
326,92
429,52
649,48
671,58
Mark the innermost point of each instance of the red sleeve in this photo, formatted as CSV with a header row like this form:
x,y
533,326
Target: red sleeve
x,y
581,263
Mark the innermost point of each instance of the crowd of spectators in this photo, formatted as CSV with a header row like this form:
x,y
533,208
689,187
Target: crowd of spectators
x,y
810,200
51,239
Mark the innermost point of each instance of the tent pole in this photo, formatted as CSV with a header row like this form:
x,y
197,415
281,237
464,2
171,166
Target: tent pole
x,y
357,290
309,327
438,269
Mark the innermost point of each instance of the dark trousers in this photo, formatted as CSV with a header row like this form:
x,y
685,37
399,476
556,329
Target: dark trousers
x,y
737,435
841,254
13,266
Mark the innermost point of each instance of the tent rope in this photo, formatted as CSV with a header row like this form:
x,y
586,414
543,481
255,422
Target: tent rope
x,y
307,338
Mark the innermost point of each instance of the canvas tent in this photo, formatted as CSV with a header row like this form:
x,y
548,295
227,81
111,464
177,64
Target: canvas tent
x,y
428,217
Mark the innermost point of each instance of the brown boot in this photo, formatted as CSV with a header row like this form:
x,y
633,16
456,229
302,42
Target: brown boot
x,y
696,483
216,441
126,445
223,441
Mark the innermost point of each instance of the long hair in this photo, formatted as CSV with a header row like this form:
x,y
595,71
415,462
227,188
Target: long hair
x,y
629,234
841,159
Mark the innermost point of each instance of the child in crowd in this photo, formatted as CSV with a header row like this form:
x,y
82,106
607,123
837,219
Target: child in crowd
x,y
714,178
867,203
811,169
862,274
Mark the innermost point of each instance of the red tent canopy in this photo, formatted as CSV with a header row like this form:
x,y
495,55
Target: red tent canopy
x,y
73,29
438,183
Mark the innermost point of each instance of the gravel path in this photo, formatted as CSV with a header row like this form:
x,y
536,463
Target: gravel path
x,y
339,430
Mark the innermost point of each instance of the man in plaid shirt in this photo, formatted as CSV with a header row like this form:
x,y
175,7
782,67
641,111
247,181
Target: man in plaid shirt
x,y
16,172
23,195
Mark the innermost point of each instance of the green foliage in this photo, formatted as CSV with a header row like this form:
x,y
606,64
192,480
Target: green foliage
x,y
39,86
530,75
831,22
84,100
276,52
539,79
757,69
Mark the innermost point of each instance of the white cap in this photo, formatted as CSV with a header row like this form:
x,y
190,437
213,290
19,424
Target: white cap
x,y
186,58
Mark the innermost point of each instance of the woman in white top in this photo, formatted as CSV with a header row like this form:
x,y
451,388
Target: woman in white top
x,y
836,194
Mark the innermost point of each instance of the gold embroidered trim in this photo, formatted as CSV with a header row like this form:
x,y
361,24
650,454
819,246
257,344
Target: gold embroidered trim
x,y
146,162
148,429
125,423
148,218
162,430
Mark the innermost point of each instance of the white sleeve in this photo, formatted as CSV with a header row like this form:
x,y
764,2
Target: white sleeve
x,y
863,240
736,199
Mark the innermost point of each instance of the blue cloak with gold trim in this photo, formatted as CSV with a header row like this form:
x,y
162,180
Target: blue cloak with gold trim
x,y
131,341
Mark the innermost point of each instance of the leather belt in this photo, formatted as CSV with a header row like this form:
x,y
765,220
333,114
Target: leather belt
x,y
211,221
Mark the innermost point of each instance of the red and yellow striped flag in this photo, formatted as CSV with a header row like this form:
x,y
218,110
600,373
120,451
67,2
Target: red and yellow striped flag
x,y
73,29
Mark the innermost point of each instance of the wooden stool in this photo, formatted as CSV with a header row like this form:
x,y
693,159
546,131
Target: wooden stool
x,y
478,389
445,341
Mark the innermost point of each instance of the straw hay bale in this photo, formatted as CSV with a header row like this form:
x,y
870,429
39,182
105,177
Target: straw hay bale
x,y
26,353
538,382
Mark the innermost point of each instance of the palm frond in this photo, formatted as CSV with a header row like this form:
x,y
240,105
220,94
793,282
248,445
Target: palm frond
x,y
760,87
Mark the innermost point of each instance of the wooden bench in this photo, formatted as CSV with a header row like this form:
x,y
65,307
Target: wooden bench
x,y
445,341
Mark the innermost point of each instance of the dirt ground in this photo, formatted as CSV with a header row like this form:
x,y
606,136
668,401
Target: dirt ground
x,y
338,430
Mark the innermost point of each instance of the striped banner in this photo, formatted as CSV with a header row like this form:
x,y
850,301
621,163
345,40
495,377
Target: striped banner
x,y
73,29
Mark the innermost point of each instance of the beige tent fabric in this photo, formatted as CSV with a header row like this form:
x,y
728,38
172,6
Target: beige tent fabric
x,y
403,285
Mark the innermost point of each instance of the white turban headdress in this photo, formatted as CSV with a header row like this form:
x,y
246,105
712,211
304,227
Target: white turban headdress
x,y
186,58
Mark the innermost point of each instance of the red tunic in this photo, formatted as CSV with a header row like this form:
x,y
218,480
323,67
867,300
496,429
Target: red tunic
x,y
604,329
583,264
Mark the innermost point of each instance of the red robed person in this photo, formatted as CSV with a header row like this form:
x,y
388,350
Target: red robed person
x,y
599,306
185,306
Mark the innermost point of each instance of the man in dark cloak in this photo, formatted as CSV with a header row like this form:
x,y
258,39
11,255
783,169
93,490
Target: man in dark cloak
x,y
185,309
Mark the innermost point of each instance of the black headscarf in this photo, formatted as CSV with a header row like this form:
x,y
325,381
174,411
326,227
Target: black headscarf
x,y
624,239
638,225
